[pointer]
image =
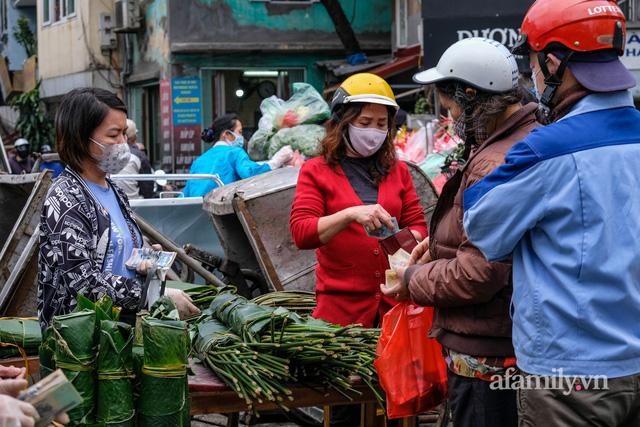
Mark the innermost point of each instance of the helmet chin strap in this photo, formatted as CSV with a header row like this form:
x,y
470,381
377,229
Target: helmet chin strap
x,y
551,81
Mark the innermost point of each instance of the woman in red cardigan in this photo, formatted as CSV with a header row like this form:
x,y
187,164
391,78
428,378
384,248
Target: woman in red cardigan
x,y
356,184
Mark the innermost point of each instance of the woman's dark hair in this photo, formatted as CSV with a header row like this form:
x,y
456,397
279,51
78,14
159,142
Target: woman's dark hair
x,y
219,126
80,113
480,110
332,146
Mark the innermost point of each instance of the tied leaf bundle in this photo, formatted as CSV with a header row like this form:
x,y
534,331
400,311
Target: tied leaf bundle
x,y
115,374
201,295
339,354
46,353
19,334
300,302
103,307
74,336
318,352
253,375
164,390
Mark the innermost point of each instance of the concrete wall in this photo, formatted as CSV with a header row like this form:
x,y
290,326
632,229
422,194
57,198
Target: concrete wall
x,y
13,50
226,25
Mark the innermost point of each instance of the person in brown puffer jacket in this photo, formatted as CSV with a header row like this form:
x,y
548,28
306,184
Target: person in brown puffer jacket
x,y
477,82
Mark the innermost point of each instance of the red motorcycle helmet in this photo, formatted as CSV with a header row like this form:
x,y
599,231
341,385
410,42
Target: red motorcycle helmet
x,y
576,25
588,36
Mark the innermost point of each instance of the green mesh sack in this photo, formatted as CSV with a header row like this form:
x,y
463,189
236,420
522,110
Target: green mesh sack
x,y
74,336
115,375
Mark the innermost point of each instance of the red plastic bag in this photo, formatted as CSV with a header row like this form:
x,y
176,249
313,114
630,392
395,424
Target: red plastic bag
x,y
410,365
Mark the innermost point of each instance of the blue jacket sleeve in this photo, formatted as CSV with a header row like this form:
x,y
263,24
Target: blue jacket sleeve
x,y
246,168
507,203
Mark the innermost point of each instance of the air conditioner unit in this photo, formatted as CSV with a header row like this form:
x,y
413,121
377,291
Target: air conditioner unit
x,y
127,13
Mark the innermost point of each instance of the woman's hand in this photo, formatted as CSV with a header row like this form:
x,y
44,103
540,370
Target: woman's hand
x,y
372,217
399,291
16,413
183,303
12,372
145,266
421,254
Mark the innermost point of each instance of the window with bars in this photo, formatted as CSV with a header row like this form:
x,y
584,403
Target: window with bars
x,y
57,10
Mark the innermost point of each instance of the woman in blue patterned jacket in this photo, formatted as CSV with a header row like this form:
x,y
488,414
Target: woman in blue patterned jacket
x,y
87,230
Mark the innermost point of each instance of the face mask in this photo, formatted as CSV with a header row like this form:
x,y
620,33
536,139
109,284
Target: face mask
x,y
459,128
114,156
366,141
534,77
23,151
238,142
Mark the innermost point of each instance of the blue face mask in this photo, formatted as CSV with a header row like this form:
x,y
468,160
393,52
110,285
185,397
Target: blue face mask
x,y
238,142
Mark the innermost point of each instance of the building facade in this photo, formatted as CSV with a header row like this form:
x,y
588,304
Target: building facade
x,y
196,59
73,50
13,55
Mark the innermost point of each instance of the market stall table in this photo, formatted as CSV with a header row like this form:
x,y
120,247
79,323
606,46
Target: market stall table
x,y
209,395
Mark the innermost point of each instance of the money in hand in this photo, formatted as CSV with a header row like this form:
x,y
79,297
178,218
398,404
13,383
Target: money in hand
x,y
51,396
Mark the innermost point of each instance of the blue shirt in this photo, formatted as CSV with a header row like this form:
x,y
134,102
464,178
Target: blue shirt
x,y
121,242
230,163
566,205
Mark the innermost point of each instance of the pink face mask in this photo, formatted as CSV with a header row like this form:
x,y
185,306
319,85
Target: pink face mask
x,y
366,141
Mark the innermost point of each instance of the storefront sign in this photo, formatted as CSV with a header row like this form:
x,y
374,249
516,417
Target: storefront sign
x,y
631,57
187,118
165,125
496,19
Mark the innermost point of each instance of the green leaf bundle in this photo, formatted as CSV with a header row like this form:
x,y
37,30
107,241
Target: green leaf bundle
x,y
74,336
115,375
164,398
24,333
253,375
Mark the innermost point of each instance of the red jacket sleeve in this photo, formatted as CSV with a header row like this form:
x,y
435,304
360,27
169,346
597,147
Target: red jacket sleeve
x,y
308,208
412,213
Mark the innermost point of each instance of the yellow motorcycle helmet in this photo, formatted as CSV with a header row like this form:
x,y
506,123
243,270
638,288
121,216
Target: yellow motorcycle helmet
x,y
363,88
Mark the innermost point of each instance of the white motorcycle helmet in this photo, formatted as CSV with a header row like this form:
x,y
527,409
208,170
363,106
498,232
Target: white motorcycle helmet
x,y
481,63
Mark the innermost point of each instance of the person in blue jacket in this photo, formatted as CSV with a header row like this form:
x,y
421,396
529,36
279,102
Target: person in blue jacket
x,y
228,158
55,166
566,207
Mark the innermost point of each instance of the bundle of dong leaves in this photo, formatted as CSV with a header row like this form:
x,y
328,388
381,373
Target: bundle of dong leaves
x,y
256,350
19,337
95,351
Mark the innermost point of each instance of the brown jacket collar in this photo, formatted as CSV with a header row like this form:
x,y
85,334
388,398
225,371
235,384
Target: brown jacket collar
x,y
519,119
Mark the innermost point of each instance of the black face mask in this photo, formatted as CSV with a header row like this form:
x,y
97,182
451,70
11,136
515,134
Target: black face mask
x,y
23,151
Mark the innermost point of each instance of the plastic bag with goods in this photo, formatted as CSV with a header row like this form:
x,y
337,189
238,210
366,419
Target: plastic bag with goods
x,y
304,138
305,107
411,369
412,145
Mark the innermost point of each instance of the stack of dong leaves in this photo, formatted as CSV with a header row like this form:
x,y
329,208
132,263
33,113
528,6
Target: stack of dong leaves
x,y
257,350
96,353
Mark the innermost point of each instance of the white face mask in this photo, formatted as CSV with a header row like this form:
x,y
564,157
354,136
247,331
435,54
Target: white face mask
x,y
534,77
366,141
114,156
